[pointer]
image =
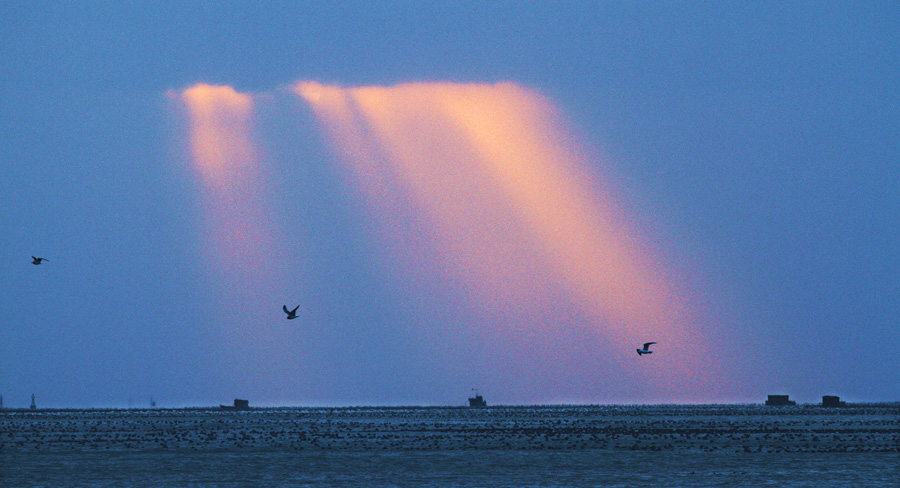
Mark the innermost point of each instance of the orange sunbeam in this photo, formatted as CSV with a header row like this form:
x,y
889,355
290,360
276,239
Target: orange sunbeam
x,y
226,162
516,214
219,131
238,239
577,229
371,163
335,110
449,182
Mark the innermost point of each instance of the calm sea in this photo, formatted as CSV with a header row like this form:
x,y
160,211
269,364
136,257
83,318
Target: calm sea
x,y
499,447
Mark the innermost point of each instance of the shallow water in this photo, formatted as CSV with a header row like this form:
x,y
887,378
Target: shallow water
x,y
500,468
504,447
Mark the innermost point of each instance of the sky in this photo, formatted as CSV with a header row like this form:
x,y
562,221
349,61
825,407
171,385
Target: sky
x,y
510,197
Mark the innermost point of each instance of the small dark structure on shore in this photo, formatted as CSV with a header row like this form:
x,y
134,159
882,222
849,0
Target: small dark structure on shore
x,y
779,401
33,405
238,405
477,401
832,401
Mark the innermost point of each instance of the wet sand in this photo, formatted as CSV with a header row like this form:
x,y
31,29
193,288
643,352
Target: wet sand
x,y
674,429
613,446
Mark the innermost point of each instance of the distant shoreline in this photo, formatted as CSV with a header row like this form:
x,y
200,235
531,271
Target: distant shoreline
x,y
687,429
799,406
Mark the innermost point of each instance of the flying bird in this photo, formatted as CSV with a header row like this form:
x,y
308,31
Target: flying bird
x,y
37,260
291,314
646,349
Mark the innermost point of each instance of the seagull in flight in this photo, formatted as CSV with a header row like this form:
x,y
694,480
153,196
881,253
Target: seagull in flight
x,y
291,314
38,260
646,349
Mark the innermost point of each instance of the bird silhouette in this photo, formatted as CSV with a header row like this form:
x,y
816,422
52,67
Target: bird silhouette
x,y
646,349
291,314
37,260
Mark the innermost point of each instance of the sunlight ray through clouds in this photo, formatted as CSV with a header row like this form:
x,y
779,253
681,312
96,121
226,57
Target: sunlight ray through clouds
x,y
238,237
514,211
225,158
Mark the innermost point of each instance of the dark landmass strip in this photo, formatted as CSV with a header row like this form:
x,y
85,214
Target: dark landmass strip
x,y
673,428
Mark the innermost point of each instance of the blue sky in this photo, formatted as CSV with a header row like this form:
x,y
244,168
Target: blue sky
x,y
754,144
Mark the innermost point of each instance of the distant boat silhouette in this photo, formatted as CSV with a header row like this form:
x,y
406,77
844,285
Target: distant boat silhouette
x,y
291,314
477,400
646,349
37,260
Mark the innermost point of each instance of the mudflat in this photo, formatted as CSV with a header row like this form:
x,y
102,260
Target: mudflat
x,y
671,428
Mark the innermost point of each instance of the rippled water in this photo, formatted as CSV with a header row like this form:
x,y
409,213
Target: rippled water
x,y
499,468
548,446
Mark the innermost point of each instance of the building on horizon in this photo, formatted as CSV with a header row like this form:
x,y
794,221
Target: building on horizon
x,y
779,401
831,401
238,405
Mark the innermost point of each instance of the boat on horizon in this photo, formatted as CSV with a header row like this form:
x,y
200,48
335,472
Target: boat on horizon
x,y
477,401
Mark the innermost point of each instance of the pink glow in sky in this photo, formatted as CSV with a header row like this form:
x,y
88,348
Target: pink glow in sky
x,y
516,216
646,175
225,159
239,241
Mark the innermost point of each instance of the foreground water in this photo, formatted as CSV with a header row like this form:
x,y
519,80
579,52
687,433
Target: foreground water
x,y
498,446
